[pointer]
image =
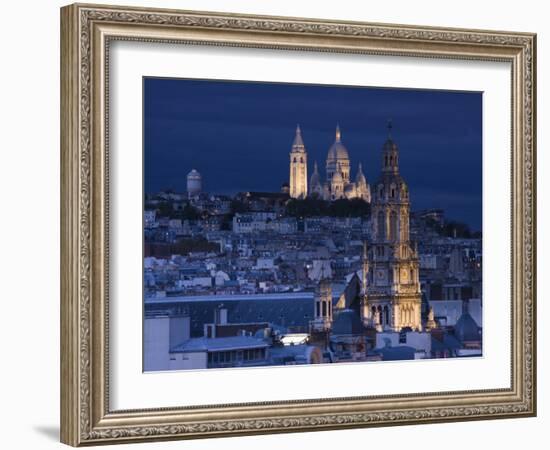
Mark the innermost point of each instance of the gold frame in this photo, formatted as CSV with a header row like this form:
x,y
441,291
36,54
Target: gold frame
x,y
86,31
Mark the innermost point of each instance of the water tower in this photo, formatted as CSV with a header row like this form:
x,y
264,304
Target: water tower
x,y
194,184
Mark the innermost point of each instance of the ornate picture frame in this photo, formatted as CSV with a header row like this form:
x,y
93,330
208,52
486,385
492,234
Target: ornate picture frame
x,y
87,31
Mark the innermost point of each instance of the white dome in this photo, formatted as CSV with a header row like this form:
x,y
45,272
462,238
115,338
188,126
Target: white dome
x,y
337,151
360,178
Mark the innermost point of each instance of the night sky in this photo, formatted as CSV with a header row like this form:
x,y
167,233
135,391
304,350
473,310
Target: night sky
x,y
238,135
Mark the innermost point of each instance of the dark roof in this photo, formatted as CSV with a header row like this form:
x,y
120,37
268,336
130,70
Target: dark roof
x,y
203,344
466,328
287,310
347,322
446,342
398,353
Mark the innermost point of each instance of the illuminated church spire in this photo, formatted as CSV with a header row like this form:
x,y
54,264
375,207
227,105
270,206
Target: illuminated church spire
x,y
338,161
298,141
298,166
360,177
393,260
315,186
390,153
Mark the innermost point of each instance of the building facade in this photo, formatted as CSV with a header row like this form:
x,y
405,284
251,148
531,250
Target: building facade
x,y
392,297
322,314
338,184
298,167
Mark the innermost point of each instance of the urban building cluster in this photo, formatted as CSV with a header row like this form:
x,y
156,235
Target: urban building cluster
x,y
248,280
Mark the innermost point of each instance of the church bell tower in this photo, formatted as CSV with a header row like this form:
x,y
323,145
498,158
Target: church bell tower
x,y
298,167
322,314
394,286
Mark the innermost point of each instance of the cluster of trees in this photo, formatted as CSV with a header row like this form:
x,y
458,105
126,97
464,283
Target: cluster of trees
x,y
165,209
453,228
189,212
314,207
182,247
460,230
186,246
308,207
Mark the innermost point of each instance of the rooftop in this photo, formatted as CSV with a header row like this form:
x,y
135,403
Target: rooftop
x,y
204,344
229,298
396,353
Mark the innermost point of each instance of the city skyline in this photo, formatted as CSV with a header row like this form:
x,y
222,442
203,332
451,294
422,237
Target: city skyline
x,y
227,125
301,268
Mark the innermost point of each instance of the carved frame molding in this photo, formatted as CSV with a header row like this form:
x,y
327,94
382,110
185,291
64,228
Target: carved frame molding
x,y
86,32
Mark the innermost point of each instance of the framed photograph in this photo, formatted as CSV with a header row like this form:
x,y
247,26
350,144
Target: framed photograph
x,y
275,224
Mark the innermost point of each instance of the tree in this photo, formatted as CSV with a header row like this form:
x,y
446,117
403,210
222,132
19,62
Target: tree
x,y
186,246
190,213
315,207
456,229
452,228
237,206
354,207
227,222
164,209
308,207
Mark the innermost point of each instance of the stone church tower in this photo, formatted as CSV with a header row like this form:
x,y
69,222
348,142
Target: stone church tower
x,y
322,314
393,291
298,167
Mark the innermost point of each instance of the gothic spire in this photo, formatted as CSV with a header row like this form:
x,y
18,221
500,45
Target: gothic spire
x,y
360,179
298,141
315,180
390,153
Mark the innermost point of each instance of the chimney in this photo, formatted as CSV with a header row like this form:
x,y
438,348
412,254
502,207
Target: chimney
x,y
220,315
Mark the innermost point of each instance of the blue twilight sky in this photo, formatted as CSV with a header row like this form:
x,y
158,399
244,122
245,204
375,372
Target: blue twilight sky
x,y
238,135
